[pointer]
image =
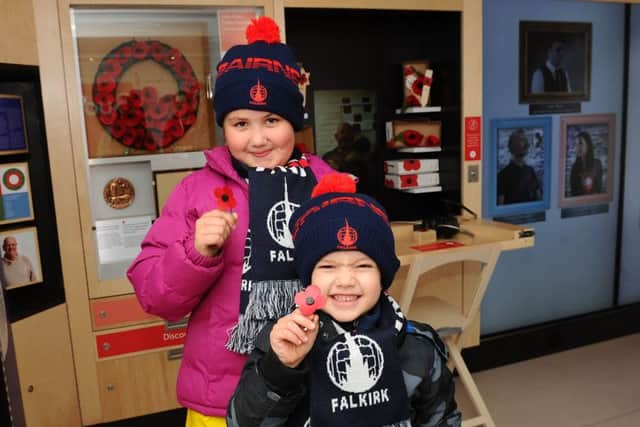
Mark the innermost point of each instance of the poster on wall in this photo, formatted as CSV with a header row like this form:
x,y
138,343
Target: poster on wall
x,y
15,193
20,258
586,159
13,132
519,166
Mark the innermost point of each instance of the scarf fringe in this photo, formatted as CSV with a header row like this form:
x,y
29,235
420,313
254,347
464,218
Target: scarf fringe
x,y
268,300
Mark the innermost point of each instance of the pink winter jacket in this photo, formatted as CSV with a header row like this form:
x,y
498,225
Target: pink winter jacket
x,y
172,279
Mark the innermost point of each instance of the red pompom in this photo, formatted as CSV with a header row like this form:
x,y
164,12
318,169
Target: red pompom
x,y
263,29
335,183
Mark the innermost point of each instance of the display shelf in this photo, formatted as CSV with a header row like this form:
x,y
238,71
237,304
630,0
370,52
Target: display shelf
x,y
419,150
418,110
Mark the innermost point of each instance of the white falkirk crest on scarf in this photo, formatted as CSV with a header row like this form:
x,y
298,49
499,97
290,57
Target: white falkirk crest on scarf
x,y
246,260
278,220
355,365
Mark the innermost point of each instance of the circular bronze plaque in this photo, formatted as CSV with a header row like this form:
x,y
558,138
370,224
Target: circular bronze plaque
x,y
119,193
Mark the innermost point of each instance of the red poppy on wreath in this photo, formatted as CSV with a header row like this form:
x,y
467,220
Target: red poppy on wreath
x,y
408,181
309,300
412,101
411,164
224,198
411,137
142,118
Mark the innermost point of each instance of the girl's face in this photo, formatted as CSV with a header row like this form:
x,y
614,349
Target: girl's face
x,y
259,138
350,281
581,147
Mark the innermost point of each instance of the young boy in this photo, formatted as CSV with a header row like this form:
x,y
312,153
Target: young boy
x,y
358,361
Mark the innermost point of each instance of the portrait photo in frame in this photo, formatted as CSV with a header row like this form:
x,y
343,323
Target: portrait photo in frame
x,y
20,258
519,161
16,204
13,131
587,144
555,61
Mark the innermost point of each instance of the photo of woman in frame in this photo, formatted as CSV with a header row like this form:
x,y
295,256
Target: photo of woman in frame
x,y
519,166
587,149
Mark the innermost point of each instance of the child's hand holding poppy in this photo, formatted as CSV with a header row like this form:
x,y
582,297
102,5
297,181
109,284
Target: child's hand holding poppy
x,y
213,229
293,336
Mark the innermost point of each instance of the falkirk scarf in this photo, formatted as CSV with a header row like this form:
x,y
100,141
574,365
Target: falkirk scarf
x,y
356,378
269,280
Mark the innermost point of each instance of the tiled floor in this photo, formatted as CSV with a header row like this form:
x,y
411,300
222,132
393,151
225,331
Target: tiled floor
x,y
591,386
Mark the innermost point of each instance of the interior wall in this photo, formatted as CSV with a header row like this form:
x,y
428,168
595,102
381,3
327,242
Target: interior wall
x,y
629,267
571,268
17,33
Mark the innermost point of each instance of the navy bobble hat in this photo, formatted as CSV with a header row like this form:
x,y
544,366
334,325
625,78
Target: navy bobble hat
x,y
261,75
337,219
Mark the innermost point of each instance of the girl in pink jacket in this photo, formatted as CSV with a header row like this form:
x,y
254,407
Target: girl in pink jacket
x,y
221,250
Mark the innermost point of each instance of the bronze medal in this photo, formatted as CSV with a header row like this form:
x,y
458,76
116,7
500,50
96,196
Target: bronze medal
x,y
119,193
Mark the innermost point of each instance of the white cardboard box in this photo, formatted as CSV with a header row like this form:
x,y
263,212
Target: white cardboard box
x,y
411,166
403,182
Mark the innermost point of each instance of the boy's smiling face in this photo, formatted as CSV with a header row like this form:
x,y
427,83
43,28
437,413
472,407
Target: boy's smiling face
x,y
350,280
259,138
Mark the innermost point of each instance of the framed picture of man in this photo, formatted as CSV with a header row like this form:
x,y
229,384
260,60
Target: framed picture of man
x,y
555,61
586,159
519,165
20,258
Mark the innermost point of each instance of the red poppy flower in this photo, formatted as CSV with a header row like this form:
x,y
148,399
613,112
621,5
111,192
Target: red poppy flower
x,y
118,129
149,95
408,70
133,117
135,98
108,116
150,143
159,111
123,55
388,183
173,55
433,141
310,300
112,66
158,51
408,181
103,99
140,50
411,164
412,101
411,137
189,119
175,128
129,137
224,198
106,82
417,85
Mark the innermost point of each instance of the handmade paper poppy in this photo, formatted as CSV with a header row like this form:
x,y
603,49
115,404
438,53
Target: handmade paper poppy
x,y
310,300
408,181
411,137
433,141
224,198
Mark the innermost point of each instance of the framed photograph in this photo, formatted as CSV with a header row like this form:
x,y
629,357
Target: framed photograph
x,y
519,166
586,159
555,61
13,132
15,193
20,258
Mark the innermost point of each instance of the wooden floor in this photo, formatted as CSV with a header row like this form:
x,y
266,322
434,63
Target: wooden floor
x,y
596,386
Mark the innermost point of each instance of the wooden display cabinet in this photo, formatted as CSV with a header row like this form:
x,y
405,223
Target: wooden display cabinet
x,y
128,384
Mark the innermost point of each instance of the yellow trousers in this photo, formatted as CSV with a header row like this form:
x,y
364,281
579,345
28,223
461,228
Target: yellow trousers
x,y
196,419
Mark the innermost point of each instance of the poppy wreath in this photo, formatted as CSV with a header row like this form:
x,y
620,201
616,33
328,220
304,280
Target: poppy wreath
x,y
413,138
142,118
